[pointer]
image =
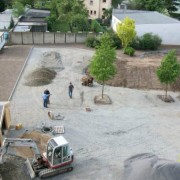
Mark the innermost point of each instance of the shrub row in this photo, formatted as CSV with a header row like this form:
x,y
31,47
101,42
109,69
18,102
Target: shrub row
x,y
146,42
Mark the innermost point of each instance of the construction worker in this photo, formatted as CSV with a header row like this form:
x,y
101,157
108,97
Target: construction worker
x,y
71,87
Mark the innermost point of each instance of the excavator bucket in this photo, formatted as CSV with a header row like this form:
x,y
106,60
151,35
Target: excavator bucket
x,y
29,169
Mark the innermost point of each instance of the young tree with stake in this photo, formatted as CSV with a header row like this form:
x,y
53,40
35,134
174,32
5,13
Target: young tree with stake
x,y
169,70
102,66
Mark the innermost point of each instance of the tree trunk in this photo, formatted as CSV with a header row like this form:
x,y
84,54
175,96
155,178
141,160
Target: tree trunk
x,y
102,89
166,90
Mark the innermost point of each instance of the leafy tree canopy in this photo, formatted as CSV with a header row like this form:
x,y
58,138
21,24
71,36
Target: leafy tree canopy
x,y
155,5
115,3
2,5
70,12
18,9
126,31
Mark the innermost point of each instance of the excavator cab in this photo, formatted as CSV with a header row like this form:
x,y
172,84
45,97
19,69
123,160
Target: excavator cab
x,y
59,153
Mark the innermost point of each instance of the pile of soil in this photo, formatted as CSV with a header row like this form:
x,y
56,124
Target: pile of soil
x,y
52,60
13,168
40,139
40,77
105,100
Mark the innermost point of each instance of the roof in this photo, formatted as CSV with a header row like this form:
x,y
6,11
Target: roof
x,y
22,28
144,17
5,20
37,13
60,140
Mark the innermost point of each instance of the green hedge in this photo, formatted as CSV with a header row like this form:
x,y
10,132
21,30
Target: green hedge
x,y
147,42
92,41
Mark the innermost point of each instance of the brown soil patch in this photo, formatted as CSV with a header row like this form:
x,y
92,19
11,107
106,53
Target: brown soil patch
x,y
105,100
39,77
40,139
13,168
140,71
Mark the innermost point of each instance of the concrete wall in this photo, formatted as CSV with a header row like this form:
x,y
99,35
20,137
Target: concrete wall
x,y
169,33
48,37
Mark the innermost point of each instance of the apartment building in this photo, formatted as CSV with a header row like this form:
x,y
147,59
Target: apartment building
x,y
96,7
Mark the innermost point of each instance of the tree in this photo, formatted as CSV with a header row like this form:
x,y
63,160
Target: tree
x,y
169,70
11,23
107,13
69,12
95,26
102,66
115,3
154,5
2,5
126,31
18,9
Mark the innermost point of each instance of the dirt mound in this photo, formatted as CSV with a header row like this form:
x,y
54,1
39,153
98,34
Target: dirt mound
x,y
105,100
40,139
52,60
13,168
39,77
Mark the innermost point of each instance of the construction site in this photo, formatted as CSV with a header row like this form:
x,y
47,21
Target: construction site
x,y
102,136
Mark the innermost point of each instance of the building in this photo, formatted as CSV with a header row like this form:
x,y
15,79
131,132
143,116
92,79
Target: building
x,y
96,7
165,27
34,20
5,19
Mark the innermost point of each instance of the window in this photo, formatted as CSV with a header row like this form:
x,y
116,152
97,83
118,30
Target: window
x,y
94,12
103,9
104,1
91,12
91,2
57,156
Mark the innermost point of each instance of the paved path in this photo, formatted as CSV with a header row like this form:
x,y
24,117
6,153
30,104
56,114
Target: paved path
x,y
12,59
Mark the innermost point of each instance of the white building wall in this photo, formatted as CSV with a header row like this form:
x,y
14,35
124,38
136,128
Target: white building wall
x,y
95,7
169,33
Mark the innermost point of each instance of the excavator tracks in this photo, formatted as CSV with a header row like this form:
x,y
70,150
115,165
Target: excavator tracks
x,y
52,172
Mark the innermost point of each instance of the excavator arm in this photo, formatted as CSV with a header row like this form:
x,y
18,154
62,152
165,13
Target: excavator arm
x,y
18,142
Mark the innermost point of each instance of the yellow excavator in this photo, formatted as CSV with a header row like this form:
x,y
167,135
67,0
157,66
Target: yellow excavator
x,y
57,159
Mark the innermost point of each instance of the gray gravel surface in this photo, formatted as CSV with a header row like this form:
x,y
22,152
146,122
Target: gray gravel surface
x,y
136,122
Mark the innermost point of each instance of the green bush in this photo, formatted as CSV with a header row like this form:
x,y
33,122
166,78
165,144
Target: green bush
x,y
129,51
92,41
135,43
96,27
147,42
116,40
150,42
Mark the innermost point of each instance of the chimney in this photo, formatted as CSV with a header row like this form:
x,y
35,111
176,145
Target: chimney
x,y
123,7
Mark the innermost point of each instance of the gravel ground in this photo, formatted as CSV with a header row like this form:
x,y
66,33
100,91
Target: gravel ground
x,y
136,122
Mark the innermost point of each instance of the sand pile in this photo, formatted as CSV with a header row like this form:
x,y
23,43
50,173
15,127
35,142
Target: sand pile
x,y
52,60
40,77
40,139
